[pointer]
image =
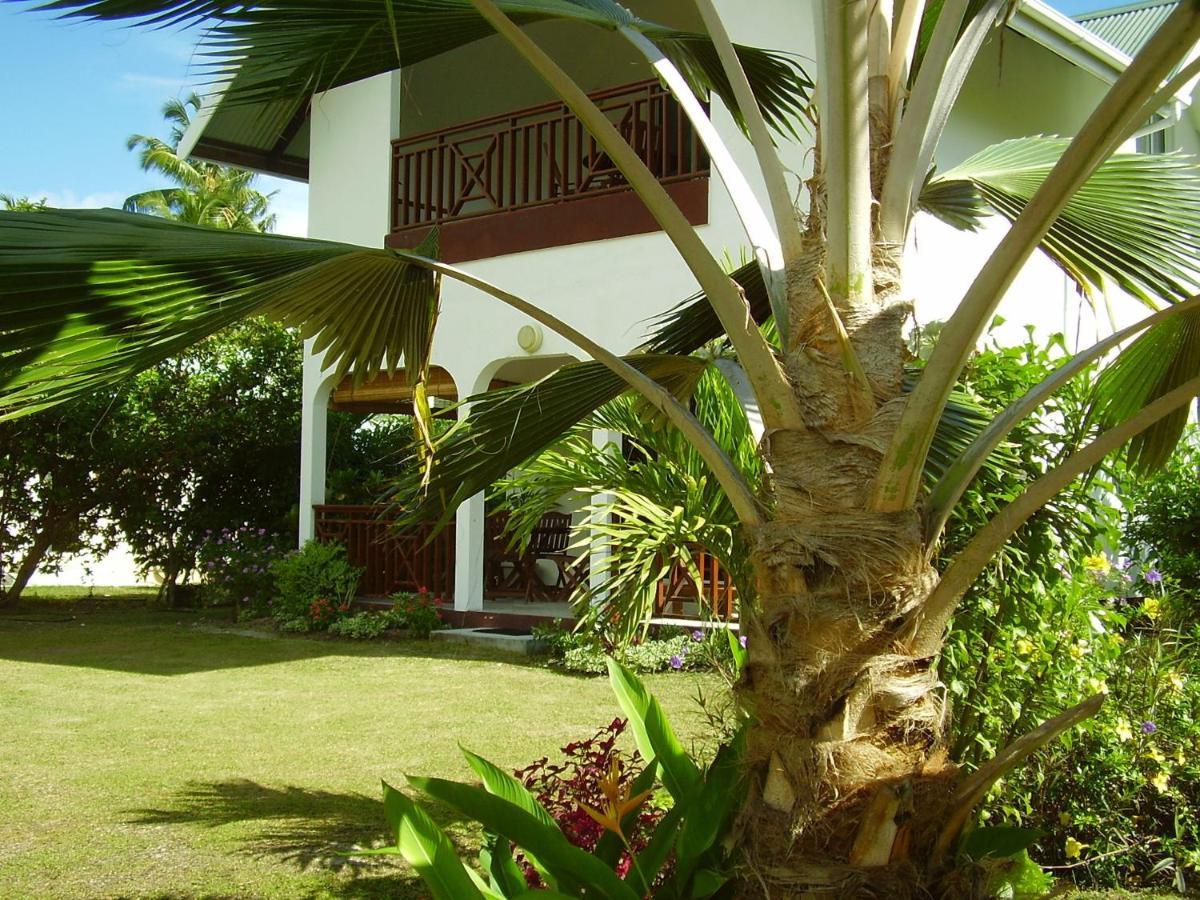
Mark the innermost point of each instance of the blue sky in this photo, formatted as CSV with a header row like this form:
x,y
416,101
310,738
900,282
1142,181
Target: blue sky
x,y
71,93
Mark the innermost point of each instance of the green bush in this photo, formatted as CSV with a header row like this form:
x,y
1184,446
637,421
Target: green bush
x,y
418,613
1163,522
235,570
314,583
587,653
363,626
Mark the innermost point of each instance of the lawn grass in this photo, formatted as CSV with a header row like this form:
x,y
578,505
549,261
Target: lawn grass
x,y
149,754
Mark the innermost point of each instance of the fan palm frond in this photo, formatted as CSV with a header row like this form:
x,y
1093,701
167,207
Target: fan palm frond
x,y
1134,223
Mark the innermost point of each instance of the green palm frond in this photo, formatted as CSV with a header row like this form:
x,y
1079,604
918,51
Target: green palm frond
x,y
693,323
510,426
291,49
91,297
1161,360
1134,223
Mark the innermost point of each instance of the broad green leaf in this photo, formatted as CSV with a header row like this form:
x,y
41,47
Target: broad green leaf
x,y
568,863
999,841
427,848
506,787
496,858
653,734
711,806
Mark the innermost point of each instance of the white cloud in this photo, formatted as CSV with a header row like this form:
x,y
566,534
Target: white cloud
x,y
68,199
137,81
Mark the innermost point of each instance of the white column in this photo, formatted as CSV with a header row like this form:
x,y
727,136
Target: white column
x,y
469,518
314,411
604,441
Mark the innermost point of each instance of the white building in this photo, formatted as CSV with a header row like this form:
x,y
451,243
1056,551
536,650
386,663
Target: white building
x,y
389,156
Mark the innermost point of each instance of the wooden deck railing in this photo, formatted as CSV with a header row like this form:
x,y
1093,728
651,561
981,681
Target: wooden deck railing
x,y
392,561
406,561
539,157
678,597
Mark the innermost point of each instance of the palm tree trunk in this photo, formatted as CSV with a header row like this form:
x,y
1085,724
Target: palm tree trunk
x,y
852,780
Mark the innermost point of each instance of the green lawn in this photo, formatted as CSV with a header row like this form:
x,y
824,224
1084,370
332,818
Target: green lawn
x,y
148,754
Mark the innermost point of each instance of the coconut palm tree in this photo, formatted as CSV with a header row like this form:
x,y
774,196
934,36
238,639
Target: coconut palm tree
x,y
204,193
849,788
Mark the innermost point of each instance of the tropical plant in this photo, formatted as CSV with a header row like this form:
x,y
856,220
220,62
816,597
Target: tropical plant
x,y
679,854
850,789
204,193
22,204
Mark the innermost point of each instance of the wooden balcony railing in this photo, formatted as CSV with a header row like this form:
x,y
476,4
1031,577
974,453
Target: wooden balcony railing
x,y
391,561
535,178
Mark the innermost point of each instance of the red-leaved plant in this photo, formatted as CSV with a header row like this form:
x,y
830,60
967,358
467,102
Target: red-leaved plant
x,y
569,789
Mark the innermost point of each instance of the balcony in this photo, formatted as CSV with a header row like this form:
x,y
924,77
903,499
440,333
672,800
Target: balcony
x,y
535,178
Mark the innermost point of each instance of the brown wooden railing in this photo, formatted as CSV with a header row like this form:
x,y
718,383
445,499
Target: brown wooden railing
x,y
407,561
678,597
538,157
391,560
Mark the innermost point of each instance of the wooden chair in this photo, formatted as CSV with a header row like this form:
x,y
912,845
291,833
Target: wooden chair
x,y
549,541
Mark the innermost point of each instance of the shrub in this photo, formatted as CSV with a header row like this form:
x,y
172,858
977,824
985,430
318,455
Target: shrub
x,y
417,612
1163,521
587,652
363,626
235,569
314,583
1119,798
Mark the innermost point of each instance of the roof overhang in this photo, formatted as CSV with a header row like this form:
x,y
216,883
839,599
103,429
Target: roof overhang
x,y
267,137
1074,43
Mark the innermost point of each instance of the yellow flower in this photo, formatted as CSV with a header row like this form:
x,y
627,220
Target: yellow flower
x,y
1155,754
617,802
1175,680
1024,646
1097,564
1160,782
1064,819
1151,607
1123,731
1073,848
1179,758
1097,685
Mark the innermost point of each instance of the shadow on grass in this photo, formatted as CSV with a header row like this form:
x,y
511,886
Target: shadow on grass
x,y
154,641
306,827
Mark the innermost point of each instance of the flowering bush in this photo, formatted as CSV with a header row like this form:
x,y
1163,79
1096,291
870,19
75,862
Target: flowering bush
x,y
418,612
574,790
1118,799
669,650
235,569
315,586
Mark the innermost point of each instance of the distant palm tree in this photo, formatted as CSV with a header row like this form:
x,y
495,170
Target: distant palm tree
x,y
205,193
21,204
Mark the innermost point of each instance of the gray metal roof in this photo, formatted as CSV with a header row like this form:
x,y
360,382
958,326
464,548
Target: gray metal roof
x,y
1128,27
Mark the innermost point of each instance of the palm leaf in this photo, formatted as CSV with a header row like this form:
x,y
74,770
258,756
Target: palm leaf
x,y
290,49
1135,222
91,297
1161,360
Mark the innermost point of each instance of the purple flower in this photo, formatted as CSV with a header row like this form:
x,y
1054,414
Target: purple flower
x,y
742,641
1153,576
676,662
1149,728
697,635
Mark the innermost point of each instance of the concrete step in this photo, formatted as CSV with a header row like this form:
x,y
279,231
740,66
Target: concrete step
x,y
511,640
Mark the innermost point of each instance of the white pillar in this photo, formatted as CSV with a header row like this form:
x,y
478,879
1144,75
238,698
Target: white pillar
x,y
314,411
605,441
469,518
